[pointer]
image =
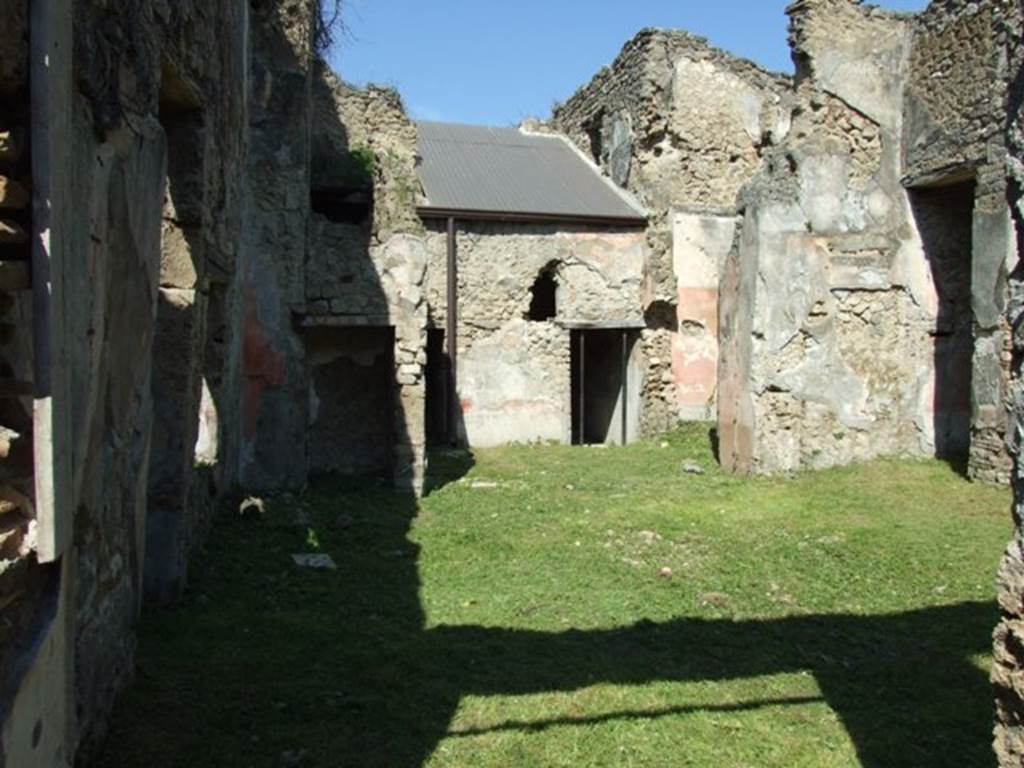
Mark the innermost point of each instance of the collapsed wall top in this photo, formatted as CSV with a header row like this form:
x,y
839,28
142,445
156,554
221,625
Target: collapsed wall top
x,y
508,174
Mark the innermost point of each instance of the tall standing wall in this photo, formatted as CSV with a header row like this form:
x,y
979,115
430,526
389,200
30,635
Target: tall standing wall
x,y
1008,666
682,126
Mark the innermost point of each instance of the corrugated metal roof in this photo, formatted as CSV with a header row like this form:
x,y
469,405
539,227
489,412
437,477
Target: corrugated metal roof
x,y
507,172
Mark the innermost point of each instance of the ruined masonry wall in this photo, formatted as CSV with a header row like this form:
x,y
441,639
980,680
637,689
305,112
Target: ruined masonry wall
x,y
125,195
273,386
858,290
954,104
1008,659
36,603
955,113
144,245
514,377
682,126
828,307
370,273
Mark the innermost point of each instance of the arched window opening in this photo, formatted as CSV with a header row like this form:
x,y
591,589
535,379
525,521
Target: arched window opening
x,y
662,316
544,297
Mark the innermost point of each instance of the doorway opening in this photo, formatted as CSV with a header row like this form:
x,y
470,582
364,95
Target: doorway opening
x,y
605,386
944,217
437,384
351,401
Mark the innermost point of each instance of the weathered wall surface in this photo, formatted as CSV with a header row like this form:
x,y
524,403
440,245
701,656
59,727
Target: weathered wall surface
x,y
159,164
273,248
514,385
676,121
682,126
189,145
954,98
366,264
514,377
141,238
701,242
201,108
875,313
351,408
36,569
366,130
955,117
1008,662
827,353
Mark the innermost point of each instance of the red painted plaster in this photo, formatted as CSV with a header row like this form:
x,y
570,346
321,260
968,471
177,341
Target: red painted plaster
x,y
262,365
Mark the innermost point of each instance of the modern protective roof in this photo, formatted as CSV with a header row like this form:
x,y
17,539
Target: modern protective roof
x,y
503,173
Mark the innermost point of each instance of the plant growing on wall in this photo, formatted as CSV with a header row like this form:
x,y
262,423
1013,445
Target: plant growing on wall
x,y
357,168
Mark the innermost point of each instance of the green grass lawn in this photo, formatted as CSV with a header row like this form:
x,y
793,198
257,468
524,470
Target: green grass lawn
x,y
521,615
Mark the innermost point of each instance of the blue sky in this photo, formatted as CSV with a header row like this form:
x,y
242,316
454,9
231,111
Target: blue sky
x,y
492,62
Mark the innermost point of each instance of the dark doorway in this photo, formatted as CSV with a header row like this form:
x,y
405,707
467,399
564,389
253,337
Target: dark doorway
x,y
352,400
944,216
437,388
604,400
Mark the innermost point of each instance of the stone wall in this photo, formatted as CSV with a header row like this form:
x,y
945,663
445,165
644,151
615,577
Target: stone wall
x,y
159,161
274,383
873,313
190,135
682,126
144,122
954,116
514,372
36,603
701,241
366,261
954,99
1008,662
351,404
828,306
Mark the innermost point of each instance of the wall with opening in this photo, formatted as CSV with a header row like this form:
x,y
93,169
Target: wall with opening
x,y
521,285
343,205
544,296
943,216
606,387
352,400
438,389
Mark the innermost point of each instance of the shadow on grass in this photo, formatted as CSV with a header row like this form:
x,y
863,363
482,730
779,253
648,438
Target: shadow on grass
x,y
266,659
959,463
446,465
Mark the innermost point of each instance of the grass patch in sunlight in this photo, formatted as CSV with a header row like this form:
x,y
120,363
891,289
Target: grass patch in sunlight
x,y
549,606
